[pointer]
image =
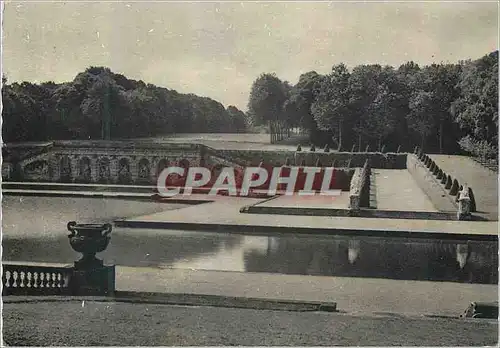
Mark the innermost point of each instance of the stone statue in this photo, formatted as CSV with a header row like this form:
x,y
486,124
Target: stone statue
x,y
143,171
87,171
124,172
104,171
464,203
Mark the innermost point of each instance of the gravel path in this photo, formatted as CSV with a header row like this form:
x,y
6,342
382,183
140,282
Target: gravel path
x,y
121,324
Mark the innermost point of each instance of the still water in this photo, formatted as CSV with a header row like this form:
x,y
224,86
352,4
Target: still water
x,y
390,258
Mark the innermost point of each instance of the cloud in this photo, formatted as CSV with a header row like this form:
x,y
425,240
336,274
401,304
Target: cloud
x,y
217,50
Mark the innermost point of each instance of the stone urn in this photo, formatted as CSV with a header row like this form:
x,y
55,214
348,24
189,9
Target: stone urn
x,y
89,239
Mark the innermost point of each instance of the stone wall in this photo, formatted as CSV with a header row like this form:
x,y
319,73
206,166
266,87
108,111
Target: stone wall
x,y
308,158
359,193
7,170
84,161
91,155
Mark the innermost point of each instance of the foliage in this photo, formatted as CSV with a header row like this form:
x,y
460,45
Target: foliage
x,y
479,148
267,97
443,108
476,110
331,107
99,104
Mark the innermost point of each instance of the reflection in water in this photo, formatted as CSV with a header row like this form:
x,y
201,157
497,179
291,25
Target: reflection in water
x,y
434,260
391,258
353,250
462,254
35,230
140,248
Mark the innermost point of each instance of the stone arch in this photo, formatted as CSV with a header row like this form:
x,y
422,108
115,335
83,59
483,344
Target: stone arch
x,y
143,170
162,164
184,163
65,169
124,174
84,170
104,170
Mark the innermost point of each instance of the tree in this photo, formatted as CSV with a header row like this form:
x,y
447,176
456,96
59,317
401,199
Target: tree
x,y
300,99
237,119
381,114
331,107
476,110
442,80
420,118
267,98
363,85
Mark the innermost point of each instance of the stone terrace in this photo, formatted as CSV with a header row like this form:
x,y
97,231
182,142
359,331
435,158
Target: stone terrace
x,y
224,214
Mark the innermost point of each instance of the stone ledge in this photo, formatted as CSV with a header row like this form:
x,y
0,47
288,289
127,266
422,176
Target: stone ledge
x,y
267,230
363,213
188,300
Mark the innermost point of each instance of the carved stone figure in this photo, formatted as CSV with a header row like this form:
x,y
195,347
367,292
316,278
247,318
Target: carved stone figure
x,y
124,172
464,203
143,170
65,169
104,170
85,171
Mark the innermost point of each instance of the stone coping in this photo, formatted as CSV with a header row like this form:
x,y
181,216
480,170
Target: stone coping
x,y
263,230
362,212
147,197
350,295
186,299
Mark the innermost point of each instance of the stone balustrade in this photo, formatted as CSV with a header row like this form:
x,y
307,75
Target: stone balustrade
x,y
87,277
20,279
127,162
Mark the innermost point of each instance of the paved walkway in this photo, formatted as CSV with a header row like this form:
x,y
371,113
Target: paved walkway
x,y
352,295
226,211
483,181
396,190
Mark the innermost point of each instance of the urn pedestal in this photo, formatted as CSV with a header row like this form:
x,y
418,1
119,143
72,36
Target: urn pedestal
x,y
90,275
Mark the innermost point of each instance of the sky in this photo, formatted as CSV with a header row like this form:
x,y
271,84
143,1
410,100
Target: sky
x,y
217,49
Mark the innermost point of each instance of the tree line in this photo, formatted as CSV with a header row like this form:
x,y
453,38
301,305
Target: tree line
x,y
442,108
99,104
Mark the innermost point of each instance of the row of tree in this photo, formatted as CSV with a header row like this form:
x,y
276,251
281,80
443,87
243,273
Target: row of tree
x,y
445,108
99,104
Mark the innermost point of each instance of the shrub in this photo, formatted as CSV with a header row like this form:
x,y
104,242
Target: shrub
x,y
454,187
473,207
478,148
449,182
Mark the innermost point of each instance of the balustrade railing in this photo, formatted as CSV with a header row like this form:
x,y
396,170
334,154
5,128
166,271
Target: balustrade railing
x,y
35,280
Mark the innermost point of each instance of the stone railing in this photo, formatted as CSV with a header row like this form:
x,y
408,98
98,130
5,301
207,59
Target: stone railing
x,y
20,279
88,276
359,194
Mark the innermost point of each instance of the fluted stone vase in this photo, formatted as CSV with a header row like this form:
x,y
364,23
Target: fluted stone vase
x,y
89,239
90,275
